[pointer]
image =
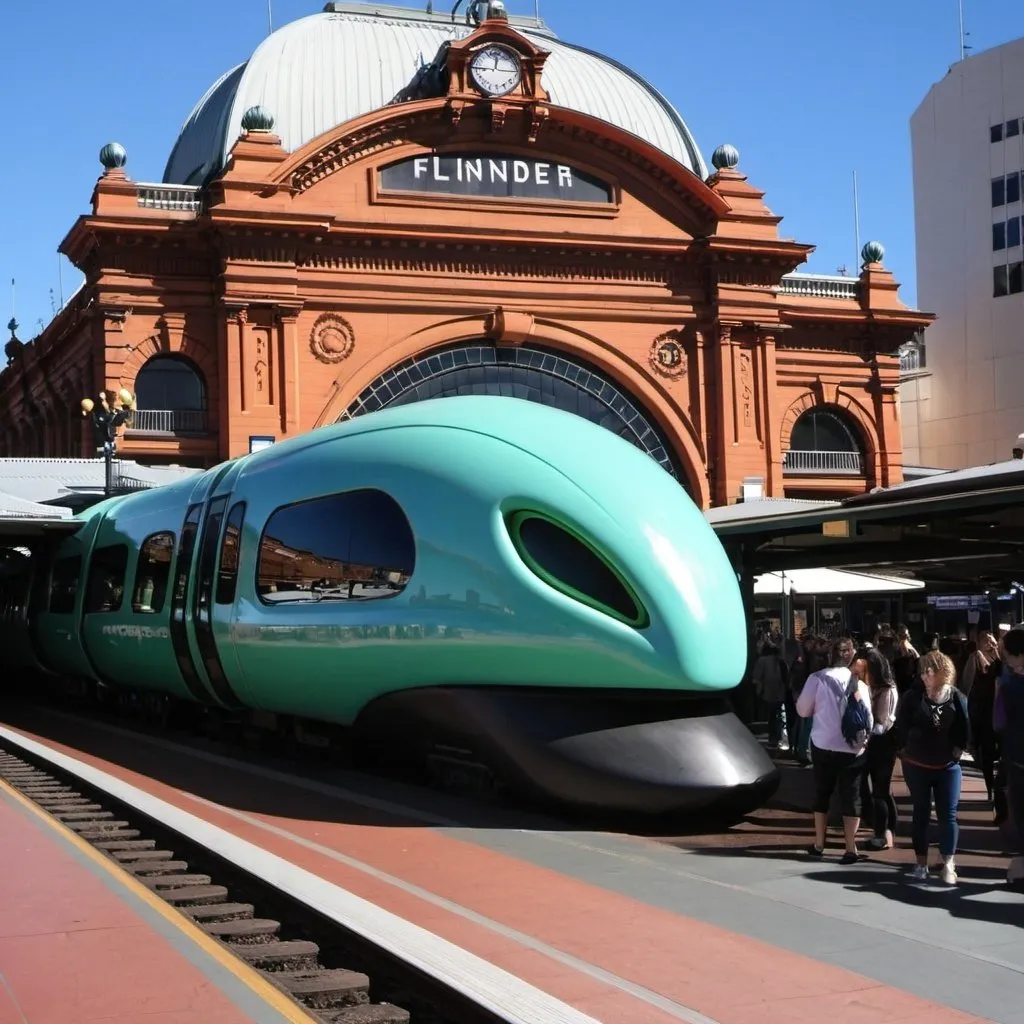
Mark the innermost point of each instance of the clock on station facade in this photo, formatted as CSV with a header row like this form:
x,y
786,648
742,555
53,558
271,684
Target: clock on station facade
x,y
495,70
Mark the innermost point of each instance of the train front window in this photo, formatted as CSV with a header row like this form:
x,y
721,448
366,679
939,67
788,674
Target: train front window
x,y
570,564
355,546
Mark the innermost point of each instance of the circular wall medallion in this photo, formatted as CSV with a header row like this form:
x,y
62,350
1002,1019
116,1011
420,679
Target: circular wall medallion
x,y
332,338
668,357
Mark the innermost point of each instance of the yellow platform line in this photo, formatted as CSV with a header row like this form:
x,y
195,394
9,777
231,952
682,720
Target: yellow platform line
x,y
249,977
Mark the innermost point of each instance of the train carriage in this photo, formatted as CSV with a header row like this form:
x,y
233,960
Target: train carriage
x,y
476,574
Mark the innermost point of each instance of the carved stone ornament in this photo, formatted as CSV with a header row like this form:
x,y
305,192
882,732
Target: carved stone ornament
x,y
332,338
668,357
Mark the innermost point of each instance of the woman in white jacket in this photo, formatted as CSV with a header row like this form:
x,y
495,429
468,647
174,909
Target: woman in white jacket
x,y
836,762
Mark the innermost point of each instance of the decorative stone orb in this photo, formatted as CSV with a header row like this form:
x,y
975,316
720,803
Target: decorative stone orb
x,y
256,119
113,155
873,252
725,157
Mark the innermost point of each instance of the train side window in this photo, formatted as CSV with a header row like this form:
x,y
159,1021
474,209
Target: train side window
x,y
64,583
356,546
153,573
231,548
105,589
570,564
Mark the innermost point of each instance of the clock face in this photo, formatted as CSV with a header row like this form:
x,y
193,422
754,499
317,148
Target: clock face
x,y
495,70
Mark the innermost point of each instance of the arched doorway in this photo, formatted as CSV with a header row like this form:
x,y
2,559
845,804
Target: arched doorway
x,y
825,442
531,373
171,396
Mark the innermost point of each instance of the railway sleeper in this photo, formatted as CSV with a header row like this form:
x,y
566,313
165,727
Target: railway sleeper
x,y
288,955
368,1013
335,995
173,882
325,989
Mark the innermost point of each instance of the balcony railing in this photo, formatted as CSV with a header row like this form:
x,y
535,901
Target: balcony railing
x,y
168,421
824,463
821,286
173,198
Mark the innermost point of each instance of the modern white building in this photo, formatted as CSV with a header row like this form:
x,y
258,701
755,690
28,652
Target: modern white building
x,y
962,395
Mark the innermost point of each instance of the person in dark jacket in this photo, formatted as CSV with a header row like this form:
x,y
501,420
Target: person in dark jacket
x,y
1008,721
933,730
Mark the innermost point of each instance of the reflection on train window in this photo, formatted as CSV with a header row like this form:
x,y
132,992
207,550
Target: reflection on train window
x,y
569,564
356,546
105,589
153,573
64,583
227,577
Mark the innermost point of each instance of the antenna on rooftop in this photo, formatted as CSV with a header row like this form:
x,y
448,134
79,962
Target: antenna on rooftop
x,y
270,17
963,35
60,279
536,10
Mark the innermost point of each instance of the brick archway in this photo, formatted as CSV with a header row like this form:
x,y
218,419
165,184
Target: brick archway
x,y
157,345
669,424
852,409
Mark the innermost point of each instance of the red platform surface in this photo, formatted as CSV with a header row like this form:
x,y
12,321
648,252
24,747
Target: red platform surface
x,y
622,961
79,942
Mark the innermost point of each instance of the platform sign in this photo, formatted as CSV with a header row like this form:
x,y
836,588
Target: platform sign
x,y
493,176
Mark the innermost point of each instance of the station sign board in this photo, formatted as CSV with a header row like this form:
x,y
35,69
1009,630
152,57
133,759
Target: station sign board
x,y
494,176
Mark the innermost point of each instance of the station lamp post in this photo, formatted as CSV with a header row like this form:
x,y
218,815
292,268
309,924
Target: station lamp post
x,y
114,409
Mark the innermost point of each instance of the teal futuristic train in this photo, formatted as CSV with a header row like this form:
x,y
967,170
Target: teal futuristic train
x,y
477,583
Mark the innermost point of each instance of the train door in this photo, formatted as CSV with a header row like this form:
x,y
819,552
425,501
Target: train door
x,y
204,602
183,570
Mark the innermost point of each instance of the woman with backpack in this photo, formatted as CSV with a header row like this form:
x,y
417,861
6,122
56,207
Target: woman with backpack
x,y
839,706
933,730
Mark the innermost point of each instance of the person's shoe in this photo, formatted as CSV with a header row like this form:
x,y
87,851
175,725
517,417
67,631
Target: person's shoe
x,y
877,843
815,851
849,858
919,873
1015,874
948,871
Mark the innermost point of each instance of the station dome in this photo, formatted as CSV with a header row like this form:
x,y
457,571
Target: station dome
x,y
353,58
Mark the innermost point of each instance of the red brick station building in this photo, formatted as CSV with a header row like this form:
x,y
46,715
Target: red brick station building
x,y
385,204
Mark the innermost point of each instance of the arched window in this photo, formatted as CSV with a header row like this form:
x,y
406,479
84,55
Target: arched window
x,y
171,396
825,441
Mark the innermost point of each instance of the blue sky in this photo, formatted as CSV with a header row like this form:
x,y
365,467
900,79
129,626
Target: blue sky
x,y
807,90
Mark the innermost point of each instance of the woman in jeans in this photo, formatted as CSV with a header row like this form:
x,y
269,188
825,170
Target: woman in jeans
x,y
870,667
933,730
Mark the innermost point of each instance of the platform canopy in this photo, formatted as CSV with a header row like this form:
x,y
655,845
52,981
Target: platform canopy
x,y
959,532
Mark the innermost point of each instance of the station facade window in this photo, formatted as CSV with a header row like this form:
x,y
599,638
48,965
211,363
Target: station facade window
x,y
64,583
153,573
354,546
105,590
1006,189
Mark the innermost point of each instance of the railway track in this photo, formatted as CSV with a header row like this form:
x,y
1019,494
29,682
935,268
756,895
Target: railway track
x,y
338,977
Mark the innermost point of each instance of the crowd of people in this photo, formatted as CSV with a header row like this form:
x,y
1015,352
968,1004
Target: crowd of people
x,y
852,710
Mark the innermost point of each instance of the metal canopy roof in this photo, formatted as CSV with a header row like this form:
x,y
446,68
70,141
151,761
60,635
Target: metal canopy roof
x,y
956,531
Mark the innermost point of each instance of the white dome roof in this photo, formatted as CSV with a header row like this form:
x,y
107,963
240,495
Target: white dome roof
x,y
326,69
